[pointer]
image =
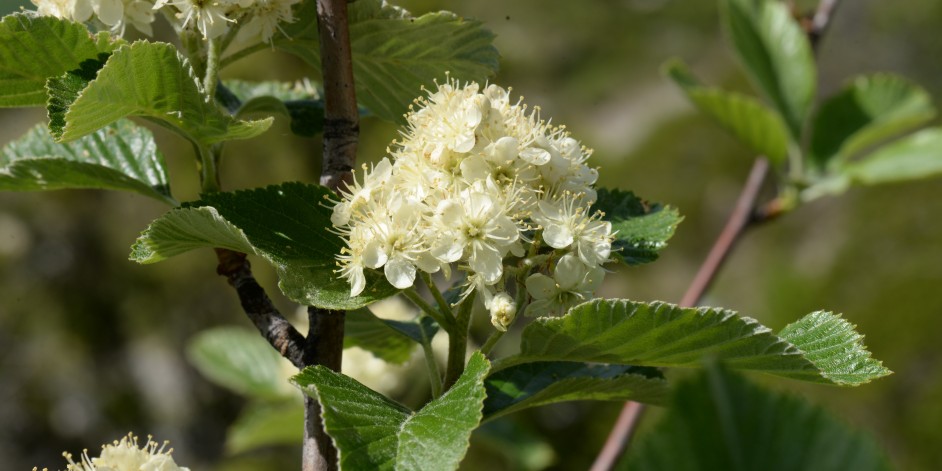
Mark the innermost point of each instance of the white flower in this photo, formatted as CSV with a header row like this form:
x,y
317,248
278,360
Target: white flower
x,y
260,20
573,282
565,224
116,14
475,222
128,455
503,310
468,184
207,16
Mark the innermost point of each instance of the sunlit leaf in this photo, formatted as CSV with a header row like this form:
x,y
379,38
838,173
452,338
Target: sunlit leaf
x,y
373,432
120,156
776,55
820,347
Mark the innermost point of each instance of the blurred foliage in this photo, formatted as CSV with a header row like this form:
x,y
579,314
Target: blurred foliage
x,y
91,345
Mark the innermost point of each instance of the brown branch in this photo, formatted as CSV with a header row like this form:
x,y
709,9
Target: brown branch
x,y
746,214
324,343
257,305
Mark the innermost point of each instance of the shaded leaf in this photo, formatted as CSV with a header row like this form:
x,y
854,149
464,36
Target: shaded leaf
x,y
394,54
142,79
540,383
373,432
913,157
721,421
120,156
241,360
34,48
522,449
871,108
288,225
821,347
264,424
389,340
776,55
642,229
745,117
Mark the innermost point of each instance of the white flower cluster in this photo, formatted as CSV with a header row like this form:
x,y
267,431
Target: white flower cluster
x,y
127,455
477,181
257,20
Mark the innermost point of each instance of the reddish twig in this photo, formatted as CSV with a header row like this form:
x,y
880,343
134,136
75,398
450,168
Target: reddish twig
x,y
738,221
746,214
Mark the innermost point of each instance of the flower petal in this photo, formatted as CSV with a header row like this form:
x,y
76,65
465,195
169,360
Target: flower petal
x,y
400,272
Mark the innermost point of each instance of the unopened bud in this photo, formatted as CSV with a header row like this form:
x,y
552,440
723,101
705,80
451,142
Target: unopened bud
x,y
503,310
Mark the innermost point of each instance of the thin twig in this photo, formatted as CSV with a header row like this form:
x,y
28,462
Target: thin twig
x,y
738,221
746,214
256,304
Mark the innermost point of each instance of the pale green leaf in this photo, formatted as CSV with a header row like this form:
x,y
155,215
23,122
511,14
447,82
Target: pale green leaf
x,y
719,421
641,228
870,109
540,383
745,117
395,55
142,79
264,424
776,55
241,360
821,347
120,156
34,48
913,157
288,225
373,432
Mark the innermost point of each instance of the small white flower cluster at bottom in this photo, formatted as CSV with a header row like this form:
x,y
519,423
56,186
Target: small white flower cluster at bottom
x,y
127,455
483,184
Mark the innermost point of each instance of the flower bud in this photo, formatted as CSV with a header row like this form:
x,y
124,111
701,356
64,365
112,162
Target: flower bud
x,y
503,310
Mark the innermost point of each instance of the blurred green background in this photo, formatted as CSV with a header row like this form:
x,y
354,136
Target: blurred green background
x,y
91,345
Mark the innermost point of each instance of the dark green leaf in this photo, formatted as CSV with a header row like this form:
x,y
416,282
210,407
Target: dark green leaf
x,y
143,79
373,432
241,360
264,424
287,225
718,420
913,157
541,383
390,340
776,55
120,156
394,54
746,118
642,228
34,48
870,109
821,347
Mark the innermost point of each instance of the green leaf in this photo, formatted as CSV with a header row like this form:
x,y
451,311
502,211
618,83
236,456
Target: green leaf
x,y
120,156
373,432
642,229
776,55
143,79
870,109
264,424
721,421
288,225
395,55
821,347
745,117
913,157
300,102
540,383
241,360
389,340
34,48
